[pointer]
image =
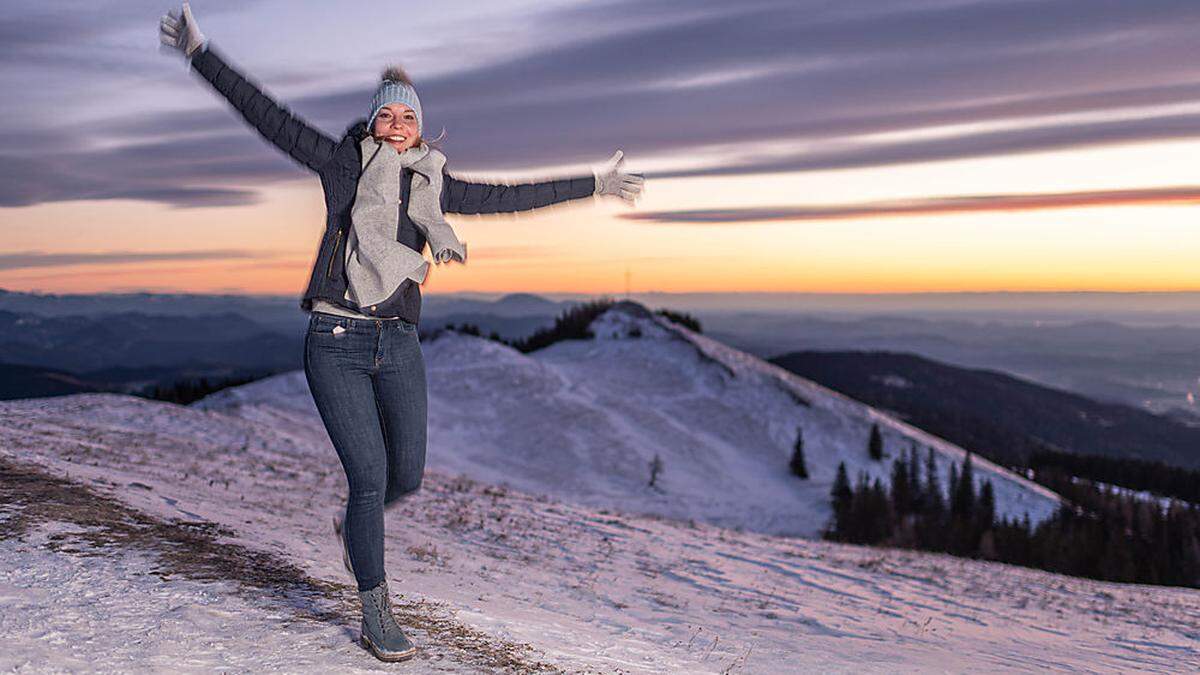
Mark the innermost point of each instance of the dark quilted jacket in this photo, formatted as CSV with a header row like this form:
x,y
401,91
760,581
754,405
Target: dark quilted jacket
x,y
338,163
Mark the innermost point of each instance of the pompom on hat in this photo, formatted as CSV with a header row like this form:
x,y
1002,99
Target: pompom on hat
x,y
395,87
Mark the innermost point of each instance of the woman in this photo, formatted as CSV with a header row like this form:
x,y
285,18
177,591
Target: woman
x,y
386,192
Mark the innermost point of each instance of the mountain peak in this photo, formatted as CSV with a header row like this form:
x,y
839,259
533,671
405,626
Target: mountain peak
x,y
632,308
524,299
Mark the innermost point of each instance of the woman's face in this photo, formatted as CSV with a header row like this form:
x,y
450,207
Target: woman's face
x,y
396,125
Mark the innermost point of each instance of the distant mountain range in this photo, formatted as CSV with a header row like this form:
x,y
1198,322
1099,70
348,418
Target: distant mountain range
x,y
130,342
997,415
61,344
1149,367
35,382
129,351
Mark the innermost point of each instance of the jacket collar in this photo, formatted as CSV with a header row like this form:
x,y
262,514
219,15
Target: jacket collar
x,y
358,129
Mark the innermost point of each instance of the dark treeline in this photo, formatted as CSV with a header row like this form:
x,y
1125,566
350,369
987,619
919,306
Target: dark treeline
x,y
1135,474
682,318
1099,534
571,324
191,390
467,329
574,324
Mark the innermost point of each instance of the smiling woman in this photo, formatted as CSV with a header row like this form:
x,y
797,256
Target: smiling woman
x,y
386,195
396,123
399,121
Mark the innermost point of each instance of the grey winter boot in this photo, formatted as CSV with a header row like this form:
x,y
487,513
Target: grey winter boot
x,y
380,632
339,530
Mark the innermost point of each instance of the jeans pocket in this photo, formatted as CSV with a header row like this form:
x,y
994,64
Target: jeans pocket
x,y
324,324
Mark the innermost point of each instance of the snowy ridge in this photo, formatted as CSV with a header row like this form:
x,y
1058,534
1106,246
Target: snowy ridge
x,y
583,419
155,537
1018,486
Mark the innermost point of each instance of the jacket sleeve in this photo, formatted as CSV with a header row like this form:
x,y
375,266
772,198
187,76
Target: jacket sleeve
x,y
291,134
460,196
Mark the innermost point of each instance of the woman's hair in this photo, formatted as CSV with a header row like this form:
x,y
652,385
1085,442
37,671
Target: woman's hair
x,y
396,73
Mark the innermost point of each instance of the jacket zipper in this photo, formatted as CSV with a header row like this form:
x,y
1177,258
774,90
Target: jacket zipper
x,y
333,254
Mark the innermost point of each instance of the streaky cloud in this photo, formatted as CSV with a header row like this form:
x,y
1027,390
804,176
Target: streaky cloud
x,y
662,79
1164,196
986,144
29,259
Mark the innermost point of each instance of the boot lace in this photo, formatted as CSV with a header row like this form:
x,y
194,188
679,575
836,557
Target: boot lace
x,y
387,622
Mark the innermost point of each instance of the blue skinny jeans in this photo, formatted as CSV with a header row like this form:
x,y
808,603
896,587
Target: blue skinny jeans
x,y
367,378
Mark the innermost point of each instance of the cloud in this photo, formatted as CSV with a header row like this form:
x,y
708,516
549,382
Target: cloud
x,y
981,144
1187,194
803,72
47,28
776,71
164,171
28,259
27,182
672,79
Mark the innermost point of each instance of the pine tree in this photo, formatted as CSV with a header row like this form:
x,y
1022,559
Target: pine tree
x,y
933,487
656,467
914,476
843,502
797,464
952,488
987,506
962,502
860,511
878,516
875,444
901,489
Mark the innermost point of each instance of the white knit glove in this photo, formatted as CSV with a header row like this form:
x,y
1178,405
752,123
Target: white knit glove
x,y
611,179
180,33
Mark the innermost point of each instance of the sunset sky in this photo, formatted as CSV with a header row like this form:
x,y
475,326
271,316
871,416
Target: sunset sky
x,y
791,145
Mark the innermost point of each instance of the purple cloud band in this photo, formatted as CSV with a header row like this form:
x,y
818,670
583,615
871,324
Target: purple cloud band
x,y
668,79
28,259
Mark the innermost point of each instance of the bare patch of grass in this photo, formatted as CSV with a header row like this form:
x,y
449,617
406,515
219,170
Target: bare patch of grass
x,y
203,551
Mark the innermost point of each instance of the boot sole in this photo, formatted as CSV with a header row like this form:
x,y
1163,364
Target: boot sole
x,y
387,656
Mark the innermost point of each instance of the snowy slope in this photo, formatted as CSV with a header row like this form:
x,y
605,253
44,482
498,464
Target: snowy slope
x,y
583,419
143,536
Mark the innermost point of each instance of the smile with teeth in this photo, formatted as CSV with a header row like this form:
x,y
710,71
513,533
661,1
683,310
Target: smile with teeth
x,y
397,138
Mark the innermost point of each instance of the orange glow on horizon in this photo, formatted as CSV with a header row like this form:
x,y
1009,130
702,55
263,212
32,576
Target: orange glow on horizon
x,y
585,247
583,277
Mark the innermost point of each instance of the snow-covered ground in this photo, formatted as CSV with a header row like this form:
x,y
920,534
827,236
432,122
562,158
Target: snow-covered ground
x,y
137,535
144,536
583,419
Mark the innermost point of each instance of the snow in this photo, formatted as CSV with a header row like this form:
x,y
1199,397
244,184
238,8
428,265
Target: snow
x,y
583,419
68,613
893,380
137,535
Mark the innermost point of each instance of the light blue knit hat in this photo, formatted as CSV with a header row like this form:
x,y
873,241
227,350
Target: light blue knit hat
x,y
395,88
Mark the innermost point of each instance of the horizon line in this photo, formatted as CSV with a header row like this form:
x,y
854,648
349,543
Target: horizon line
x,y
618,295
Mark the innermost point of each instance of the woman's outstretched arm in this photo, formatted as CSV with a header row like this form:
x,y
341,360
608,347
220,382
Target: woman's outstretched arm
x,y
460,196
288,132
